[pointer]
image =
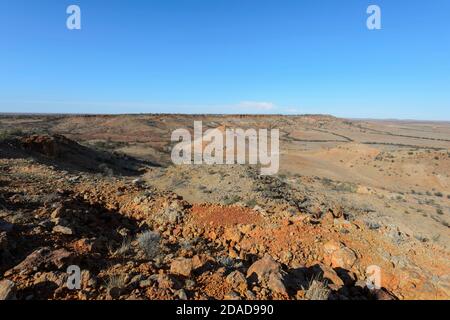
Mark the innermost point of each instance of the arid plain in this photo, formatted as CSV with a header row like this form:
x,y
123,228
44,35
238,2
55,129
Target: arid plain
x,y
101,192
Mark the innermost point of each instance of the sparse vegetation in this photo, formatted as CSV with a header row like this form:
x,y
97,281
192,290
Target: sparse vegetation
x,y
107,171
251,203
200,236
367,208
282,176
231,200
123,249
436,238
226,261
109,144
10,134
421,238
149,242
115,281
318,290
346,187
326,182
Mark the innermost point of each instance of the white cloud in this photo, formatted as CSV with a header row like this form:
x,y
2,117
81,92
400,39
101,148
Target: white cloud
x,y
256,105
292,110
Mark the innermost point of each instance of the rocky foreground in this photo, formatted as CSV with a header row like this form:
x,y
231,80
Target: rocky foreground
x,y
133,240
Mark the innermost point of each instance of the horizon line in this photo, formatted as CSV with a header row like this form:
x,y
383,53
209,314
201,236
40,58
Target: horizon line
x,y
215,114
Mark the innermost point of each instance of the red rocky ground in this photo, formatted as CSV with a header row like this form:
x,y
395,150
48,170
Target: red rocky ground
x,y
51,218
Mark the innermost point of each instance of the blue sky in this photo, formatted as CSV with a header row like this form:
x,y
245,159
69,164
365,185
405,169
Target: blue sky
x,y
227,56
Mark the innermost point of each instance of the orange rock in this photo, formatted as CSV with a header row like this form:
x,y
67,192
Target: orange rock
x,y
328,218
232,234
338,255
237,280
263,267
198,261
329,274
343,258
331,246
181,266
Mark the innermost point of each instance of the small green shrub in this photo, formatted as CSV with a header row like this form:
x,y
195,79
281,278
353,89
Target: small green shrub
x,y
251,203
231,200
